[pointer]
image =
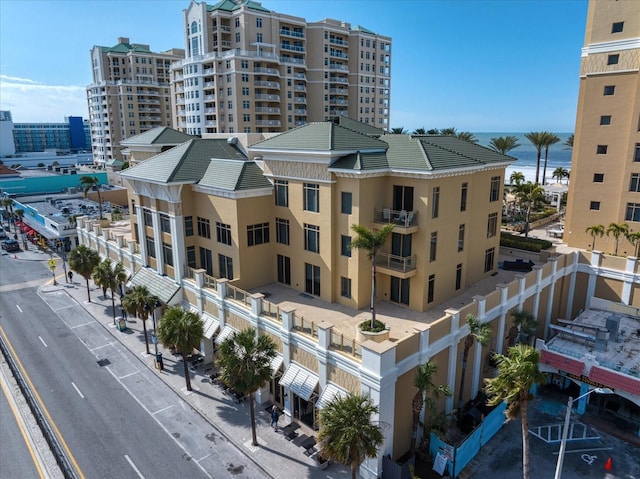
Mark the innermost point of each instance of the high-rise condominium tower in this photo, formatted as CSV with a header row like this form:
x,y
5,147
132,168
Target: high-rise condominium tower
x,y
130,94
251,70
605,169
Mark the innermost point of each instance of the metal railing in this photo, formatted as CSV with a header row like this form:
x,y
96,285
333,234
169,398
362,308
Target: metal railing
x,y
210,282
401,218
271,310
345,344
396,263
305,327
239,295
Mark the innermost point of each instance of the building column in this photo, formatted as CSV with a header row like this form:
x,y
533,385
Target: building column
x,y
596,257
142,236
572,284
502,322
477,360
536,297
177,247
582,403
522,284
286,315
552,291
157,239
453,357
627,283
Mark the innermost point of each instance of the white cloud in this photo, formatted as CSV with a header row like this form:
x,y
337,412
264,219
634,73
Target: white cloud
x,y
33,102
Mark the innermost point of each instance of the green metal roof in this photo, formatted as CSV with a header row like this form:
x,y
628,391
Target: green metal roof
x,y
161,286
162,135
125,48
234,175
358,126
363,29
231,5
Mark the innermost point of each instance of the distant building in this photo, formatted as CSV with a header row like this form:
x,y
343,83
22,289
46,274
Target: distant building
x,y
71,136
7,145
129,95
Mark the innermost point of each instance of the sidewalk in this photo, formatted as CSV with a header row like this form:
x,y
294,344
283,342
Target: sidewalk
x,y
275,456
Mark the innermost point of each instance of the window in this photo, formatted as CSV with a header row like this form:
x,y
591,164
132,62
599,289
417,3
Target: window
x,y
204,228
403,198
609,90
433,243
259,38
598,177
345,248
489,257
463,197
312,238
400,289
191,256
223,233
435,202
605,120
165,223
282,192
636,155
492,225
312,279
458,276
601,150
594,205
225,263
146,216
460,237
311,194
613,59
346,205
282,231
345,287
167,254
617,27
284,269
633,212
431,286
259,22
257,234
494,195
188,225
401,245
206,261
634,186
151,246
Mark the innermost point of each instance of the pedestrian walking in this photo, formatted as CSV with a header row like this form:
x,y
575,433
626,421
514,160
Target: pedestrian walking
x,y
70,275
275,415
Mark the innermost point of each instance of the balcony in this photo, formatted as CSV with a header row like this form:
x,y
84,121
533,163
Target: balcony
x,y
274,85
273,123
407,220
300,111
268,110
291,33
300,76
260,96
399,266
337,41
209,110
339,67
208,71
268,71
209,84
297,61
338,80
293,48
210,123
300,99
209,97
338,91
338,54
342,102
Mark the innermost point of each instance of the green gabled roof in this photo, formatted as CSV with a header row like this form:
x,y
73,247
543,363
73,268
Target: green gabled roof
x,y
358,126
230,6
125,48
363,29
361,162
321,136
162,135
187,162
234,175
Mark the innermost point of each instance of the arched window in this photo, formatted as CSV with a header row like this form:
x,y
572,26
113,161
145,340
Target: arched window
x,y
194,27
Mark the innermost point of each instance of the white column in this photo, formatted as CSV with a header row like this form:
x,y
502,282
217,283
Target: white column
x,y
142,243
157,238
552,290
627,284
502,322
536,298
477,360
453,357
593,277
572,284
177,246
522,284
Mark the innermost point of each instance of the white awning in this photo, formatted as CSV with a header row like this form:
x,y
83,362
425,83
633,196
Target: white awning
x,y
224,334
299,381
330,392
276,363
211,325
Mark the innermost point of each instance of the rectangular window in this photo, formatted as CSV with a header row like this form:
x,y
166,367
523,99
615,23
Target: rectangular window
x,y
613,59
431,287
400,289
601,150
345,248
284,269
282,192
401,245
151,246
433,243
167,254
633,212
494,194
458,276
188,225
634,186
312,238
605,119
489,258
206,261
165,223
223,233
594,205
598,177
312,279
257,234
609,90
460,238
311,197
616,27
402,198
345,287
204,228
191,256
282,231
146,216
435,202
636,154
346,203
225,264
492,225
463,197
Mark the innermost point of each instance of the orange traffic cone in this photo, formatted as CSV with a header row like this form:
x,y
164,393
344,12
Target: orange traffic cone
x,y
15,257
608,465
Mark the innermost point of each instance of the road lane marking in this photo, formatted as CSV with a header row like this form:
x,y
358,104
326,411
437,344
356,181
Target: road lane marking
x,y
19,309
134,466
130,374
81,325
42,341
161,410
77,390
45,411
110,343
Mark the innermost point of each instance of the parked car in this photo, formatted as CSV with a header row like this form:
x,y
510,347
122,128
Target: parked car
x,y
3,234
10,245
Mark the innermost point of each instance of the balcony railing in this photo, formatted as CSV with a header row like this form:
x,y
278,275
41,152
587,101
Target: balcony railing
x,y
295,48
238,295
291,33
306,327
275,123
268,110
404,219
402,264
343,343
262,96
267,84
269,71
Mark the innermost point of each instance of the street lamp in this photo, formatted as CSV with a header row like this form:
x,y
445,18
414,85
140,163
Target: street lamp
x,y
159,364
565,430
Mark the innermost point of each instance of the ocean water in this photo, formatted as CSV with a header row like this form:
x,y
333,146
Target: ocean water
x,y
559,155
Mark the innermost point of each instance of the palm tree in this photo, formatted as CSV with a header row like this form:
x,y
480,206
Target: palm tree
x,y
480,332
420,131
139,302
83,261
183,331
559,173
109,276
616,230
466,136
245,366
634,239
19,214
451,131
433,131
92,183
398,131
517,373
549,139
537,139
371,241
504,144
348,434
7,203
529,194
517,178
595,230
569,141
426,395
524,324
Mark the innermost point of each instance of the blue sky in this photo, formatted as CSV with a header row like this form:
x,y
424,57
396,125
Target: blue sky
x,y
481,66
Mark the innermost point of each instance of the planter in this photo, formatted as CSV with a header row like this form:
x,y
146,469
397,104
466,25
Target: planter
x,y
362,336
321,461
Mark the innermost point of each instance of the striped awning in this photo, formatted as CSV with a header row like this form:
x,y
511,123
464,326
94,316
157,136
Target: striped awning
x,y
211,325
276,362
330,392
224,334
300,381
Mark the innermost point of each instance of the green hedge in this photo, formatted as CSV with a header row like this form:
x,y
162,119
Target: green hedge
x,y
528,244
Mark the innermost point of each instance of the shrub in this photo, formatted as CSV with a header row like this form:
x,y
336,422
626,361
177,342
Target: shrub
x,y
377,327
508,240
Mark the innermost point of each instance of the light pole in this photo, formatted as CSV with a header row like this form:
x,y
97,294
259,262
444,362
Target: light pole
x,y
567,420
159,364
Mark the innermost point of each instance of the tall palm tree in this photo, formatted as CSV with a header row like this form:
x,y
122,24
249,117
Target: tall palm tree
x,y
371,241
110,275
426,395
569,141
92,183
504,144
451,131
420,131
478,332
433,131
83,261
559,173
245,366
549,139
537,139
139,302
595,230
466,136
398,130
616,230
517,178
183,331
18,213
524,323
348,434
634,239
7,203
517,373
529,194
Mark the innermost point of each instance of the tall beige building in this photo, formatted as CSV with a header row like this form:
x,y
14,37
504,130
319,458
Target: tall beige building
x,y
129,95
251,70
605,170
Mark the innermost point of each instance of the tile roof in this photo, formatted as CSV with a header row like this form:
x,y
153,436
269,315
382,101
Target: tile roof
x,y
162,135
230,6
358,126
561,362
361,162
234,175
615,380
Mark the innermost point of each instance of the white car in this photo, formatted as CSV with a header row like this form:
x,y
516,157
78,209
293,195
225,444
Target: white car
x,y
3,234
